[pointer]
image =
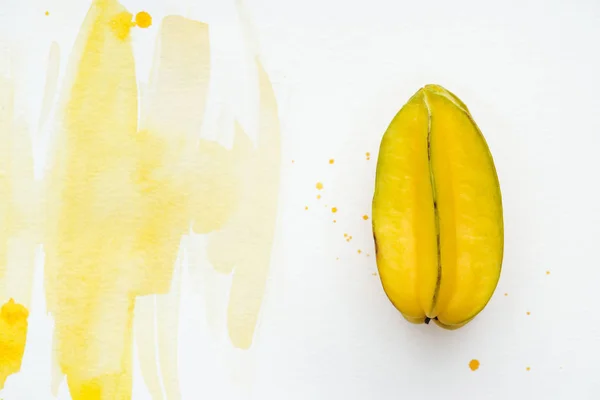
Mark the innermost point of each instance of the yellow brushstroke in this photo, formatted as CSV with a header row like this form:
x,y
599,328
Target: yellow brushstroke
x,y
51,82
244,245
18,232
120,199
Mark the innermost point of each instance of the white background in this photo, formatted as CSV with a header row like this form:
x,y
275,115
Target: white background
x,y
529,73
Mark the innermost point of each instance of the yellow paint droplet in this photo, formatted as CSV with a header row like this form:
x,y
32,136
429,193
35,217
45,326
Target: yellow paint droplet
x,y
359,251
368,155
331,161
506,294
306,207
374,274
528,369
345,235
547,272
293,161
334,221
365,217
143,19
334,210
368,255
47,13
318,197
474,365
319,186
337,259
528,313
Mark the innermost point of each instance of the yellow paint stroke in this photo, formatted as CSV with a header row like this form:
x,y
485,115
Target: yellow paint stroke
x,y
52,71
244,245
19,233
119,200
94,212
13,333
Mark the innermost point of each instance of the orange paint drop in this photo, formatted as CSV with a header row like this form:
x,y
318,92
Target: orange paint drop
x,y
143,19
365,217
528,313
331,161
334,210
474,365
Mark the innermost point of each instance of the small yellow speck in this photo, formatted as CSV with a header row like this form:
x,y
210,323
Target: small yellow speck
x,y
319,186
337,259
368,255
318,197
506,294
331,161
334,210
528,313
334,221
374,274
305,207
528,369
368,155
365,217
293,161
143,19
474,365
345,235
547,272
47,13
359,251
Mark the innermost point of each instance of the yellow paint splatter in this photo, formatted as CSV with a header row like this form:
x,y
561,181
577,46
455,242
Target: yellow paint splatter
x,y
345,235
365,217
528,313
319,186
528,369
368,155
143,19
293,161
359,251
331,161
474,365
547,272
374,274
334,221
13,333
305,207
505,294
318,197
368,255
334,210
47,13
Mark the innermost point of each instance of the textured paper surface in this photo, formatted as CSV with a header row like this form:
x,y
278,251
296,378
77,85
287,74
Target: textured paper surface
x,y
185,196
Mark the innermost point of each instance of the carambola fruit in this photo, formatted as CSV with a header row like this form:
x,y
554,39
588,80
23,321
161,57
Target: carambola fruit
x,y
437,212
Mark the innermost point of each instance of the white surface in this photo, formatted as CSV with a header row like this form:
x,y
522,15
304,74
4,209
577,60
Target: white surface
x,y
528,71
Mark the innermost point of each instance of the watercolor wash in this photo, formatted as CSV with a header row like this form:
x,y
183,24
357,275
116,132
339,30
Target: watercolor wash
x,y
128,177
